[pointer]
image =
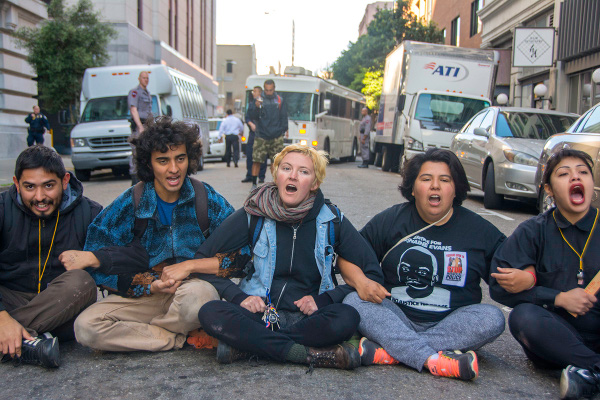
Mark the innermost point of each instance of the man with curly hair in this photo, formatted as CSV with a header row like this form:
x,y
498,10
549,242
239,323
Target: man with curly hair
x,y
145,310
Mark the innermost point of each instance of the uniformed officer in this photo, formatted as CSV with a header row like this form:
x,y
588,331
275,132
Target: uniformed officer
x,y
38,124
140,106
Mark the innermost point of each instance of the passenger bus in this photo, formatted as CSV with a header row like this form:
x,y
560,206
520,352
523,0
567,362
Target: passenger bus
x,y
100,138
321,113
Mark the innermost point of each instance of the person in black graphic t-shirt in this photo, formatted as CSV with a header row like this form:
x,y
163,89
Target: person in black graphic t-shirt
x,y
432,278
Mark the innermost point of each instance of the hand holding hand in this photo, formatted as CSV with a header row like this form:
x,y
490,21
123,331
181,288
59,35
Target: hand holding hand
x,y
11,335
369,290
576,301
160,286
75,259
307,305
513,280
176,272
254,304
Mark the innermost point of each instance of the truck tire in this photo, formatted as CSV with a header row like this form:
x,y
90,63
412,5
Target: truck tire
x,y
327,148
378,158
491,200
201,163
386,158
83,174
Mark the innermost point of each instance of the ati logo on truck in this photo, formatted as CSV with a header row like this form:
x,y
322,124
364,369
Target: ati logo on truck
x,y
456,72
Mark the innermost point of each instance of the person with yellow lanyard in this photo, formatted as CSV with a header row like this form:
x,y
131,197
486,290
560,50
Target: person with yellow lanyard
x,y
42,215
542,271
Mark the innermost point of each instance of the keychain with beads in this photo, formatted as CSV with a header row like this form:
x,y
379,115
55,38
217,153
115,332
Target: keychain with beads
x,y
270,316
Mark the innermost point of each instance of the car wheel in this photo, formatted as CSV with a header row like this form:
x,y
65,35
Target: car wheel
x,y
545,202
327,148
386,155
83,174
491,199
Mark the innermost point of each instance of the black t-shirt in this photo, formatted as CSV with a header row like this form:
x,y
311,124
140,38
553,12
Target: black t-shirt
x,y
538,242
438,270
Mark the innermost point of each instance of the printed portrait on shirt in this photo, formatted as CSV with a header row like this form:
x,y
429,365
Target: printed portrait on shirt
x,y
418,274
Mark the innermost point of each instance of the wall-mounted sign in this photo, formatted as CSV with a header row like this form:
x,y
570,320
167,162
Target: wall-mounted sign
x,y
533,47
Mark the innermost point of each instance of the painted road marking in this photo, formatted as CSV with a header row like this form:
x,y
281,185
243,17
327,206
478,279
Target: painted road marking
x,y
495,214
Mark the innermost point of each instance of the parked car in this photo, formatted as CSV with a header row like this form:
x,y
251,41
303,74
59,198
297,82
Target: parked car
x,y
583,135
217,149
500,146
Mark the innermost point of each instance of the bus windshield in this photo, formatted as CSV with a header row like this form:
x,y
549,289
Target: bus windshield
x,y
446,113
300,106
110,108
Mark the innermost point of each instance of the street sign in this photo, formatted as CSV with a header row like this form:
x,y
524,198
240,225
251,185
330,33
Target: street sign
x,y
533,47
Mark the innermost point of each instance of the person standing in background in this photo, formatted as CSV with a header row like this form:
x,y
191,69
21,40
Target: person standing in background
x,y
256,94
38,125
140,107
365,128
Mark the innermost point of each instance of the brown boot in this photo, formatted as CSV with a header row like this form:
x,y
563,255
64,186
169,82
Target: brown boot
x,y
341,356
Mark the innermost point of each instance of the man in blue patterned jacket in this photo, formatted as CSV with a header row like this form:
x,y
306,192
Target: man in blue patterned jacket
x,y
145,310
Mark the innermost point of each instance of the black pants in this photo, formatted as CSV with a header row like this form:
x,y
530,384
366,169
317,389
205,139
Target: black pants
x,y
35,137
550,341
232,143
263,167
246,331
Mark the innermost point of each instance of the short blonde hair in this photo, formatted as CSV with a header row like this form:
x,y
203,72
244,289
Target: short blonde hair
x,y
318,157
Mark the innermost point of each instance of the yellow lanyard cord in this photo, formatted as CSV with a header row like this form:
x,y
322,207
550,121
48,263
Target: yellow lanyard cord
x,y
40,270
586,242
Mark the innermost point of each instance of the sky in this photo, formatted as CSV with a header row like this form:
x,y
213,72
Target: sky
x,y
324,28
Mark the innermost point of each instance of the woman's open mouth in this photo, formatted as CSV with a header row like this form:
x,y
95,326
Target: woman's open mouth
x,y
435,200
577,194
291,189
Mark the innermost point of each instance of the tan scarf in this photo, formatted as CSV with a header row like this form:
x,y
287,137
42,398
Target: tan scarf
x,y
264,201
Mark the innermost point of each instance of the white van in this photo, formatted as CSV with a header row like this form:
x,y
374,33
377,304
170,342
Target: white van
x,y
100,139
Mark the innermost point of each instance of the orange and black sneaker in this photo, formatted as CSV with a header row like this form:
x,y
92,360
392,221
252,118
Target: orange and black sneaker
x,y
372,353
201,340
454,364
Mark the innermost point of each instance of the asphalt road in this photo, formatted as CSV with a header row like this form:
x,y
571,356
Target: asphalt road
x,y
505,373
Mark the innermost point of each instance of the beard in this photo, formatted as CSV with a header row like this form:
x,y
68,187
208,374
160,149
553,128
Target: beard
x,y
48,202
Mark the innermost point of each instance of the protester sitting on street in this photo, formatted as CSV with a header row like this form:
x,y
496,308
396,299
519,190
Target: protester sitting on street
x,y
169,215
232,128
41,216
542,270
433,253
287,307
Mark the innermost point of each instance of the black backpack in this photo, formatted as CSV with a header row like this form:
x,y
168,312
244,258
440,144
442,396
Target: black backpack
x,y
201,197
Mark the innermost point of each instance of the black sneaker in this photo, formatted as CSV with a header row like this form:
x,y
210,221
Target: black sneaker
x,y
227,354
41,351
576,383
261,180
341,356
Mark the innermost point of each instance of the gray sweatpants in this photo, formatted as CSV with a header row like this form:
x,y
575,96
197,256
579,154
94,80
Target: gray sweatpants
x,y
411,343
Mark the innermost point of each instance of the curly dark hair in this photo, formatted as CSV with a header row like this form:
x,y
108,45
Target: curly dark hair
x,y
160,134
560,155
411,169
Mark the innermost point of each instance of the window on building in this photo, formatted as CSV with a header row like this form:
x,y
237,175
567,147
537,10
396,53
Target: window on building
x,y
229,66
455,32
176,18
475,21
229,98
171,23
140,14
444,34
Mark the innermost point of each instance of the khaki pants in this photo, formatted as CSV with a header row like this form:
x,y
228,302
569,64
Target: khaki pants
x,y
155,323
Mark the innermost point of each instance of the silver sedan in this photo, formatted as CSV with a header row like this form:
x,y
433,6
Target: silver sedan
x,y
499,149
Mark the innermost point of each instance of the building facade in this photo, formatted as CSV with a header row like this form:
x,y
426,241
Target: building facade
x,y
234,64
459,21
17,87
370,12
177,33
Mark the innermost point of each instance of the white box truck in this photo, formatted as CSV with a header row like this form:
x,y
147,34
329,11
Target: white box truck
x,y
100,139
429,92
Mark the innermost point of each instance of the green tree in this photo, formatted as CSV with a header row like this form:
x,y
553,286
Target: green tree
x,y
362,64
60,50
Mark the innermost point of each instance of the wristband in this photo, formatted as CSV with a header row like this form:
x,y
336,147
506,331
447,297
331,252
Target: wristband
x,y
534,280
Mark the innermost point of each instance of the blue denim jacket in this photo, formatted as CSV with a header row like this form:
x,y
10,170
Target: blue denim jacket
x,y
265,252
